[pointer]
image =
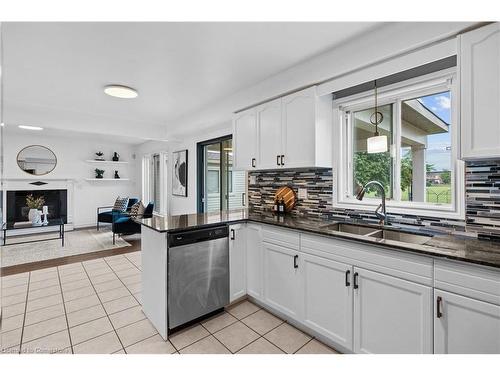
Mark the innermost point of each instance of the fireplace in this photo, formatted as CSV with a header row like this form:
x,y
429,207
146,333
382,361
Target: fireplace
x,y
55,200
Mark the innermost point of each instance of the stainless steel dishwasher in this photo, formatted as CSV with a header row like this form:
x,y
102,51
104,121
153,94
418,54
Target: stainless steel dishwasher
x,y
198,274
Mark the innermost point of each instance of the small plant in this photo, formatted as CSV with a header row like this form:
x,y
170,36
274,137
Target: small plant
x,y
99,173
34,203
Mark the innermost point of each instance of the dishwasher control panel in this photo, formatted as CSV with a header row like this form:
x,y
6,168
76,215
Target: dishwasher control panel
x,y
197,235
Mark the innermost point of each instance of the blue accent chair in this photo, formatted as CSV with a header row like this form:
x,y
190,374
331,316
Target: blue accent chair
x,y
107,216
125,224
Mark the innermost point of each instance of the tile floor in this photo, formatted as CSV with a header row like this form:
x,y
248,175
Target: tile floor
x,y
94,307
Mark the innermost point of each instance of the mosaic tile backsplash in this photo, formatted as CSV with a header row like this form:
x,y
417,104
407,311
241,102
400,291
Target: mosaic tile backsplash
x,y
319,184
482,199
482,187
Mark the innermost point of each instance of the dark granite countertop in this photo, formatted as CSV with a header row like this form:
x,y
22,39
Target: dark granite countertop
x,y
441,244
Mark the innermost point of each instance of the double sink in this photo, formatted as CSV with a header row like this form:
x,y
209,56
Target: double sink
x,y
385,234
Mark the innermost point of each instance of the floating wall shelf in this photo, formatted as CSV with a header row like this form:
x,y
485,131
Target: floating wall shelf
x,y
110,162
107,179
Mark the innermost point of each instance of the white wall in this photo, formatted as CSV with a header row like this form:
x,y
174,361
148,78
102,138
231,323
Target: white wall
x,y
71,153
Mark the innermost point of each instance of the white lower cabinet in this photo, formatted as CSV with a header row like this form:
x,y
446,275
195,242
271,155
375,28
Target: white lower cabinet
x,y
281,279
327,298
237,262
391,315
390,308
254,260
464,325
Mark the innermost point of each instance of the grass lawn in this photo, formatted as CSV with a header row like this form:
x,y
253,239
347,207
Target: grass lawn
x,y
435,194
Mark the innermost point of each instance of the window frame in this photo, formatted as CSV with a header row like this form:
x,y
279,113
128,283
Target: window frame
x,y
446,80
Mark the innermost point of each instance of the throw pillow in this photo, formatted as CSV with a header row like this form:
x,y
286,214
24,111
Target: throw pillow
x,y
120,204
137,210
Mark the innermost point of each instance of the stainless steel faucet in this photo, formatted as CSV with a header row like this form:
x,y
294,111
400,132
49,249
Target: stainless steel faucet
x,y
381,215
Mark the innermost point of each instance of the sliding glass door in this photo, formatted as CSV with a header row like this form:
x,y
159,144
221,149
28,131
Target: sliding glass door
x,y
219,187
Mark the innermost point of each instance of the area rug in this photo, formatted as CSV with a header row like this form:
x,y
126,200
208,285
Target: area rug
x,y
75,242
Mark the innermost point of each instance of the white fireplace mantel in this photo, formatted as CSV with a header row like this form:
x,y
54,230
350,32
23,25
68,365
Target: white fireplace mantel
x,y
15,184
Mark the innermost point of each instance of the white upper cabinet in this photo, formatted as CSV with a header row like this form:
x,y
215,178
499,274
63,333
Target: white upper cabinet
x,y
269,135
480,92
245,140
294,131
306,129
464,325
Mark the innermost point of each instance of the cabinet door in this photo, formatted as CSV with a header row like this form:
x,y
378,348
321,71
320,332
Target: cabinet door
x,y
237,262
391,315
298,127
245,140
327,293
269,130
281,279
465,325
480,94
254,261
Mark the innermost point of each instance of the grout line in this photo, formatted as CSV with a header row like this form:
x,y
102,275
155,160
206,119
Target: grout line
x,y
102,304
65,314
312,338
124,283
24,318
194,342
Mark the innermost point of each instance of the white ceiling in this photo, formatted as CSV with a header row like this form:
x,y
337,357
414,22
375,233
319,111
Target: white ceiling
x,y
54,73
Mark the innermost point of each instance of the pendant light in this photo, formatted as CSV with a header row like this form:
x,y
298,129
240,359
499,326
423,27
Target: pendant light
x,y
377,143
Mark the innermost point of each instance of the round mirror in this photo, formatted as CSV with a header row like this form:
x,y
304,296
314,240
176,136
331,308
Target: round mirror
x,y
36,160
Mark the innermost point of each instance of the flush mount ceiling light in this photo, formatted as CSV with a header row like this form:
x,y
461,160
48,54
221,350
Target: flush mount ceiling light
x,y
26,127
120,91
377,143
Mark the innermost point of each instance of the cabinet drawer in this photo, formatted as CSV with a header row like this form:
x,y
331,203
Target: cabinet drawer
x,y
392,262
482,283
282,237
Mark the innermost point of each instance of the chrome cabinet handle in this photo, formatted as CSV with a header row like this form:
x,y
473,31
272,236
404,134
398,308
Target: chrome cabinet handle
x,y
232,234
243,199
439,301
282,159
295,261
278,160
356,286
347,274
253,162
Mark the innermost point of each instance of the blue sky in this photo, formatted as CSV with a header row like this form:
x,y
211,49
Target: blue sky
x,y
437,152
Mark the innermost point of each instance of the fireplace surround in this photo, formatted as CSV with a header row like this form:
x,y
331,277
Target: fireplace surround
x,y
55,199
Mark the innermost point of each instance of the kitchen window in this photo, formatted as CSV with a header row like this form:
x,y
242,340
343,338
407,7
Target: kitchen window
x,y
420,170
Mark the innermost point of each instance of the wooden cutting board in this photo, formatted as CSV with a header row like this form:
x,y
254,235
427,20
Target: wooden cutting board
x,y
288,196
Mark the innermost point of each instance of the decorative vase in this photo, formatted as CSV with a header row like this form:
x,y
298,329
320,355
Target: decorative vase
x,y
32,213
117,176
37,218
116,157
99,156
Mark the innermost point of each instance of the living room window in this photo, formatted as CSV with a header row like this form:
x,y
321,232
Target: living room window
x,y
420,168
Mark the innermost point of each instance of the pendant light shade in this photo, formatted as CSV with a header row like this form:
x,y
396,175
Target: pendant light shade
x,y
377,143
